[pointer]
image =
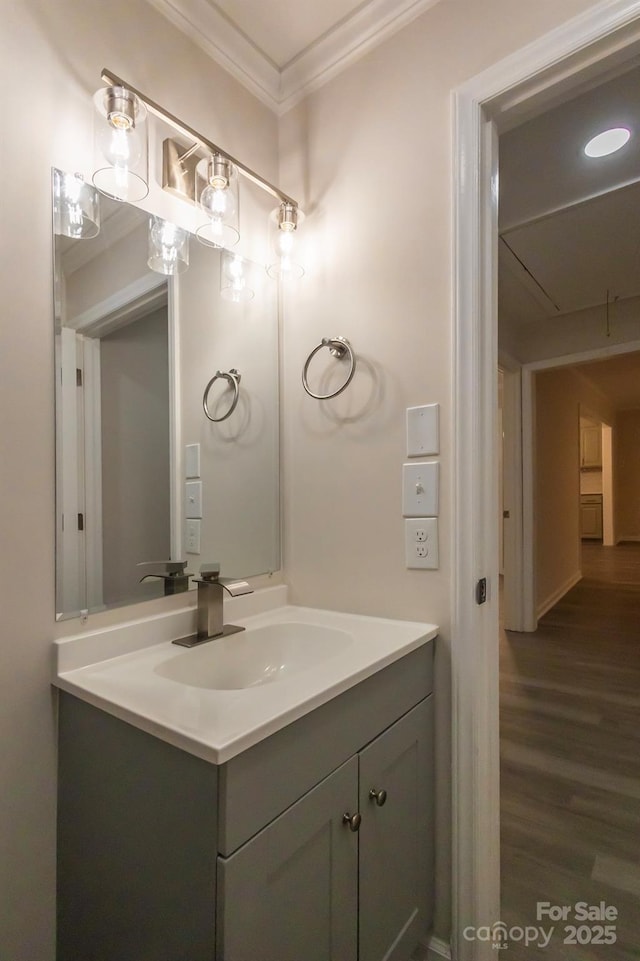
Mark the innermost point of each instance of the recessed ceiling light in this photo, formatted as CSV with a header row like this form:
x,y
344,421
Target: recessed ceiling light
x,y
607,142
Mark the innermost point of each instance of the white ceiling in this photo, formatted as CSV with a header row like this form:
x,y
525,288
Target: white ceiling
x,y
283,49
570,226
618,378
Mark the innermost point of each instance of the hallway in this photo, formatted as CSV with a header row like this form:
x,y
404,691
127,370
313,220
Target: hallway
x,y
570,761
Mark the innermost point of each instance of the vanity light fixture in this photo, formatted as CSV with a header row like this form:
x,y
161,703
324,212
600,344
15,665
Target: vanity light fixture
x,y
186,165
607,142
220,202
76,207
284,222
235,278
120,144
168,247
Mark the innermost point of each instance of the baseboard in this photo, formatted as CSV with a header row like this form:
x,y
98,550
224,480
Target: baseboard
x,y
433,949
549,602
634,538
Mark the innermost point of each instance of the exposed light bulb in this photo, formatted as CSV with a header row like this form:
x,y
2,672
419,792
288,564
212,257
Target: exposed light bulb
x,y
121,169
219,201
168,247
76,207
284,222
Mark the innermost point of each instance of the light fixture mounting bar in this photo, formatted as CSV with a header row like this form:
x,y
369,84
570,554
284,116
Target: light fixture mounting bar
x,y
187,131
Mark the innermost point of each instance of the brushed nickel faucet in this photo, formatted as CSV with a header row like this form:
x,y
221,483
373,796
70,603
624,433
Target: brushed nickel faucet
x,y
210,623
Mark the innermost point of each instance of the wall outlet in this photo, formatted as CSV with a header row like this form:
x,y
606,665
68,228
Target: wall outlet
x,y
192,538
421,542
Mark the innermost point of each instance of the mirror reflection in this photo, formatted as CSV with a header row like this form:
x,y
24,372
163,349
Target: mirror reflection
x,y
143,474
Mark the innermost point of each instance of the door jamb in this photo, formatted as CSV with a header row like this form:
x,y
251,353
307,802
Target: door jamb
x,y
522,81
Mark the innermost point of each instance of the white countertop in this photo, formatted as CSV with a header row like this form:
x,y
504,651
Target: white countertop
x,y
218,724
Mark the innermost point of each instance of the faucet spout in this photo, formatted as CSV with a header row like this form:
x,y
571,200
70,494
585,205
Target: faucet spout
x,y
210,619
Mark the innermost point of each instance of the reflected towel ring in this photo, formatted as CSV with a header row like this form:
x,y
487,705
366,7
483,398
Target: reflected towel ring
x,y
233,377
338,347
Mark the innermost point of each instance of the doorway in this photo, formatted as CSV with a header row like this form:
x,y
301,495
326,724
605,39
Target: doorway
x,y
567,59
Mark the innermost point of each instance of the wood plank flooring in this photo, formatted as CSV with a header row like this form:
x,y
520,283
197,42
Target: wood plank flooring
x,y
570,759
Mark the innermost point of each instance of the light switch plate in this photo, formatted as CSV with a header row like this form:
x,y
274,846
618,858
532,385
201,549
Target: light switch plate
x,y
192,539
192,460
421,542
423,430
420,483
193,499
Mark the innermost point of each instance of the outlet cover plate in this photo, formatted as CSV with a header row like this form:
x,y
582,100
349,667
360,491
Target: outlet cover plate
x,y
421,543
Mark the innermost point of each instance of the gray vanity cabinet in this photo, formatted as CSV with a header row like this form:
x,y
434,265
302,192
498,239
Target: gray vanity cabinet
x,y
163,856
307,886
396,855
291,893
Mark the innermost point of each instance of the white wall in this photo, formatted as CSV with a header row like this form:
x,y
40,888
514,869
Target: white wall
x,y
369,155
560,394
50,57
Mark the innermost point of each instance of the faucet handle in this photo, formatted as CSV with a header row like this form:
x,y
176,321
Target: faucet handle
x,y
164,567
210,571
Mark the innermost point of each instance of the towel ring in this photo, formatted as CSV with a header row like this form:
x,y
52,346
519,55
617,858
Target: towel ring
x,y
338,347
233,377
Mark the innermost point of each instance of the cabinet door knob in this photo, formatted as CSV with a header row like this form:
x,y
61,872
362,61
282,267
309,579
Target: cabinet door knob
x,y
353,820
378,796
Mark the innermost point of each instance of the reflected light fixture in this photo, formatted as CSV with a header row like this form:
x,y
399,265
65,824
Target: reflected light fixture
x,y
168,247
234,278
284,222
220,202
76,207
120,144
607,142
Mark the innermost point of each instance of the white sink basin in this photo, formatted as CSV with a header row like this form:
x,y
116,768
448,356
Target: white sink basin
x,y
258,656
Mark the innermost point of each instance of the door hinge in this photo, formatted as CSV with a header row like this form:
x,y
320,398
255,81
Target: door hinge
x,y
78,377
481,591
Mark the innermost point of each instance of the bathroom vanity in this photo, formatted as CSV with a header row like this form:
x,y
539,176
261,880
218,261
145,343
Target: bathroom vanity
x,y
306,835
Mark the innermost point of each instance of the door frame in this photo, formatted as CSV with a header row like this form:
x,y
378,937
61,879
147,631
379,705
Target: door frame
x,y
516,87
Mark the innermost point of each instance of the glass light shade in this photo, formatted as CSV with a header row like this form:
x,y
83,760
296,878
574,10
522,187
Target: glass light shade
x,y
168,247
121,155
220,202
76,207
284,224
235,278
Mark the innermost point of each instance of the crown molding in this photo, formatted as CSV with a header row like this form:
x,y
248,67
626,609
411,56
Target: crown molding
x,y
203,23
322,60
354,37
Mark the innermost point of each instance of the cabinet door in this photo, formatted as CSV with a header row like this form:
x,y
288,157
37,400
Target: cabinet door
x,y
591,443
396,838
290,893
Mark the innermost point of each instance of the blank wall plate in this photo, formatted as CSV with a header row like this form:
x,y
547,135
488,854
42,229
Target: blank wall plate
x,y
421,542
420,489
423,430
193,499
192,460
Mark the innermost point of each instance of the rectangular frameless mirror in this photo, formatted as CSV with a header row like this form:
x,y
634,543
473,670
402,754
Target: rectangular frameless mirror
x,y
134,352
